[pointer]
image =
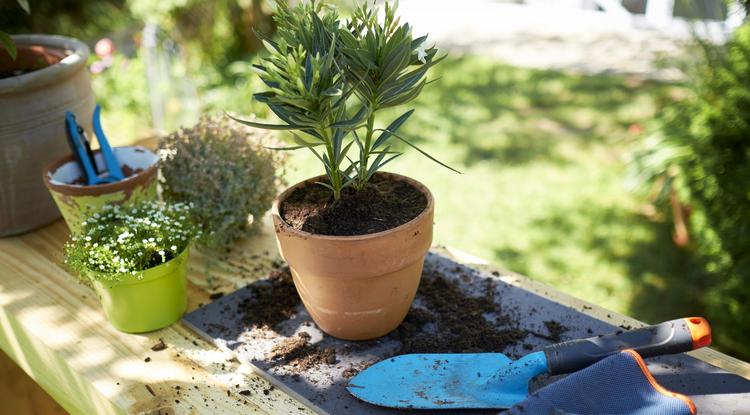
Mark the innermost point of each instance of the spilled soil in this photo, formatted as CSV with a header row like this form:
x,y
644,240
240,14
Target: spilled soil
x,y
384,204
298,352
443,319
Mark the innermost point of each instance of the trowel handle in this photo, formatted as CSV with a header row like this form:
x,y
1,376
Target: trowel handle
x,y
670,337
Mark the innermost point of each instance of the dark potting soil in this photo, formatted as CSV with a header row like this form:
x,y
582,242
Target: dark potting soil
x,y
298,352
271,303
384,204
444,319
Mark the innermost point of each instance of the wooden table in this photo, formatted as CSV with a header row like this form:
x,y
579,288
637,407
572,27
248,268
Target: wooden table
x,y
54,328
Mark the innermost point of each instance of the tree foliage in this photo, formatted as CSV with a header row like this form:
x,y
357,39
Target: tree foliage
x,y
706,140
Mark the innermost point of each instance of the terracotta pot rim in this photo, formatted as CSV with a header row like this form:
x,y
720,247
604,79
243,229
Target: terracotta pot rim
x,y
304,234
77,53
97,189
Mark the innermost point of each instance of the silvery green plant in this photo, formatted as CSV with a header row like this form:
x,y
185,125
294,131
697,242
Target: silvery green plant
x,y
117,242
225,171
328,80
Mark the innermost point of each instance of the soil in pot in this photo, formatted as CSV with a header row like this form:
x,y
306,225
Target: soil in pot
x,y
28,59
383,204
127,171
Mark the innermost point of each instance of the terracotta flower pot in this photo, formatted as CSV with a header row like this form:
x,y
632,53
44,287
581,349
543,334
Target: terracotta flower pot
x,y
77,201
48,78
357,287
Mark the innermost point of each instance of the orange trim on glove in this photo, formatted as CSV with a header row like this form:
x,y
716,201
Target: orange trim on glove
x,y
657,386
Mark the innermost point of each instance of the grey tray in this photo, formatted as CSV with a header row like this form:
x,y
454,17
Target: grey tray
x,y
713,390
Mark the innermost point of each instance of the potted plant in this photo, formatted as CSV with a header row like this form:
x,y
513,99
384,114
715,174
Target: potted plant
x,y
136,260
77,200
223,169
46,77
355,239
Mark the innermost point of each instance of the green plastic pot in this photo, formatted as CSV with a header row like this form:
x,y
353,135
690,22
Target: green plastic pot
x,y
150,303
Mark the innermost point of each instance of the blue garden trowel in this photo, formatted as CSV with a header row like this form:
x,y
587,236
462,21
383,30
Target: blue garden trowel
x,y
492,380
81,148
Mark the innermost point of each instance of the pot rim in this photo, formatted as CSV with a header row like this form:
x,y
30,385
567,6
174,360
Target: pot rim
x,y
97,189
304,234
69,65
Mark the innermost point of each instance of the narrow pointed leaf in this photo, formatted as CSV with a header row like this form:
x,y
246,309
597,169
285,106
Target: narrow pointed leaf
x,y
392,127
264,125
423,152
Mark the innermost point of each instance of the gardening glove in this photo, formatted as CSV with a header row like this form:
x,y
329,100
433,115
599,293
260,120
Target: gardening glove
x,y
619,384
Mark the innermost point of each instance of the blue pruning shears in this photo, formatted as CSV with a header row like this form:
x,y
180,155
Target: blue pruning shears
x,y
81,148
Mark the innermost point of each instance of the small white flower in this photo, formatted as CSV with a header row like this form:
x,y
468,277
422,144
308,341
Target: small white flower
x,y
101,266
88,238
421,53
173,247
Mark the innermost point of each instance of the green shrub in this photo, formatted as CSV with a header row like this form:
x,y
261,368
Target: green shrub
x,y
711,129
224,171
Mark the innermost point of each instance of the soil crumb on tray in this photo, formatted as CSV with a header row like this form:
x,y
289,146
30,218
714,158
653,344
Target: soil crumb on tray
x,y
384,204
459,319
299,353
272,302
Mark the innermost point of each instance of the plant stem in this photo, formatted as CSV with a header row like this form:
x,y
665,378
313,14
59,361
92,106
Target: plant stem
x,y
365,155
334,174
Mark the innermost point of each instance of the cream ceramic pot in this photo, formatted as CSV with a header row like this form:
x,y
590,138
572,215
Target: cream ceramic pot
x,y
32,126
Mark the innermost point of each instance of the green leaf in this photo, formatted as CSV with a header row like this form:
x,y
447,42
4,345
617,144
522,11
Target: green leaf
x,y
263,125
24,5
332,92
354,121
9,44
392,127
424,153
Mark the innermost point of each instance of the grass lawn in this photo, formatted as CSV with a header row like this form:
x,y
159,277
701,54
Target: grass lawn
x,y
543,193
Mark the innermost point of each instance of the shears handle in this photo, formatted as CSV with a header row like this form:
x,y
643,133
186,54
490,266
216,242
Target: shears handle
x,y
670,337
80,147
113,166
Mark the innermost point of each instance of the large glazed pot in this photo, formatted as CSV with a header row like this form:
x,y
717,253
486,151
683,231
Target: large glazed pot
x,y
357,287
48,78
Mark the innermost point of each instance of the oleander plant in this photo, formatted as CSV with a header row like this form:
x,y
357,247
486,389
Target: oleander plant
x,y
119,243
329,80
356,232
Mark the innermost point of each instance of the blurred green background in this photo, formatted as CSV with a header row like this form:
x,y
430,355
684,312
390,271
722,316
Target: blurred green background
x,y
553,185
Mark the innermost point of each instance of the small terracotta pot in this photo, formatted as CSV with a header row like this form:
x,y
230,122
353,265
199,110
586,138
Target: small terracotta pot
x,y
357,287
77,201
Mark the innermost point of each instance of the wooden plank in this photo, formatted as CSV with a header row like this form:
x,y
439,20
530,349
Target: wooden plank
x,y
53,327
22,395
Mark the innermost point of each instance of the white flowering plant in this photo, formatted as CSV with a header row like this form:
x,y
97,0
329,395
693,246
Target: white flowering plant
x,y
121,242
